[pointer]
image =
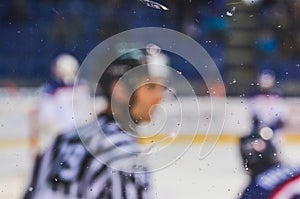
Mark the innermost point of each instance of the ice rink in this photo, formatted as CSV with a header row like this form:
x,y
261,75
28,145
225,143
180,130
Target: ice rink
x,y
218,175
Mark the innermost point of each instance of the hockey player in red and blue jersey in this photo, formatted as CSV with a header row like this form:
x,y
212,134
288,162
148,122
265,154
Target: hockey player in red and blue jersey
x,y
270,179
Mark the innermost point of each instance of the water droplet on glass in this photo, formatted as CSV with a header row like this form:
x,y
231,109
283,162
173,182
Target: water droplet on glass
x,y
228,13
153,4
231,12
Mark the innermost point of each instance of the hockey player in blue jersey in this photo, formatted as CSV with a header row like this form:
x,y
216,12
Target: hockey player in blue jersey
x,y
53,112
267,104
270,178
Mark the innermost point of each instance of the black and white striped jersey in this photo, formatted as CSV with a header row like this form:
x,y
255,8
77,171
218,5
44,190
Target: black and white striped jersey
x,y
68,169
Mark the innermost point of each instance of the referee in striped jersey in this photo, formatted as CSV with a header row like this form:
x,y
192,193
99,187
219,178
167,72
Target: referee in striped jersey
x,y
98,163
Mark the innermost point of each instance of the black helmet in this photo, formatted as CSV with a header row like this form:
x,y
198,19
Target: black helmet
x,y
114,72
258,152
118,68
136,57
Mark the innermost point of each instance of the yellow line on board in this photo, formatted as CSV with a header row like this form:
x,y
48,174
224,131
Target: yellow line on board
x,y
195,139
290,138
14,143
224,138
293,138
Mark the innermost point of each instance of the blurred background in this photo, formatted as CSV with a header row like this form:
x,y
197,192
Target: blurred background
x,y
243,37
259,35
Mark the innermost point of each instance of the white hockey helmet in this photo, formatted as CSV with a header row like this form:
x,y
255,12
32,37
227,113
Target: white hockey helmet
x,y
266,79
65,68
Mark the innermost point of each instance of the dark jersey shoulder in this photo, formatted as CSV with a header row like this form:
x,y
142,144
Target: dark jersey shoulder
x,y
264,184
